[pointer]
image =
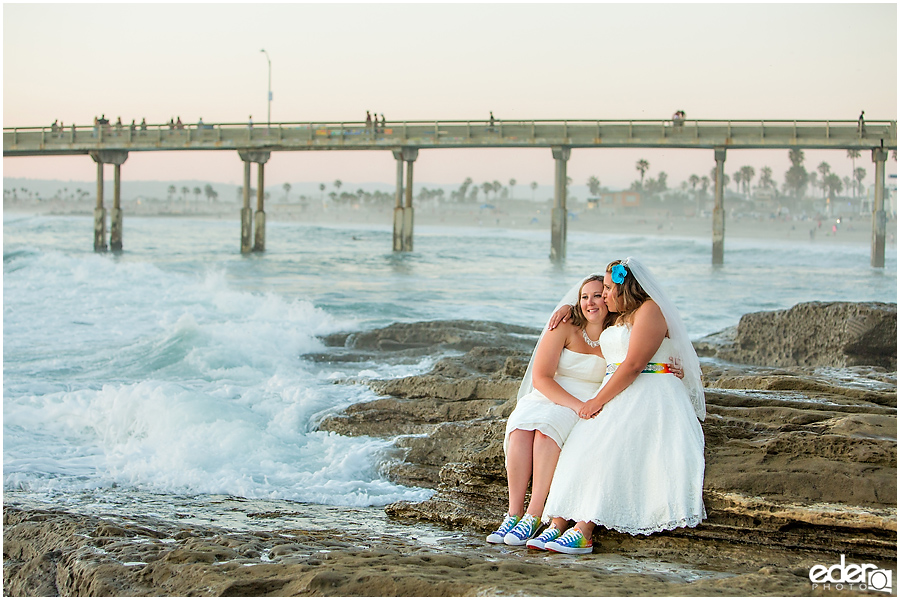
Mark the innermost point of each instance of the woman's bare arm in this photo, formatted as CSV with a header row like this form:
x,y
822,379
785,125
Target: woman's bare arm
x,y
546,361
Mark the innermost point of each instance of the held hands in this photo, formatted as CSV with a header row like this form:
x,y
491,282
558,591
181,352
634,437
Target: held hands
x,y
560,316
591,408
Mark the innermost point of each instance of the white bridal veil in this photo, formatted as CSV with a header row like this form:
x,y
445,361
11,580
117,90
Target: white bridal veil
x,y
684,350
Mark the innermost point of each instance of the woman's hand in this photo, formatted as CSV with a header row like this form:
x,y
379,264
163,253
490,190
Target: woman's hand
x,y
676,368
591,408
560,316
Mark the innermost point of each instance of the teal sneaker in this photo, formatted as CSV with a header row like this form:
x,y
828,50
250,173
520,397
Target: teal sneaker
x,y
509,521
538,543
571,542
524,529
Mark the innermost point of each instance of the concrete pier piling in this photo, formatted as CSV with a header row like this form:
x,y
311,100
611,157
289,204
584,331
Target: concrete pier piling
x,y
409,155
260,157
99,213
116,158
115,220
559,216
259,219
879,155
718,235
403,213
246,213
398,204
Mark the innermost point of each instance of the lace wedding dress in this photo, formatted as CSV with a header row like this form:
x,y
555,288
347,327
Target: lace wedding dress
x,y
580,375
637,467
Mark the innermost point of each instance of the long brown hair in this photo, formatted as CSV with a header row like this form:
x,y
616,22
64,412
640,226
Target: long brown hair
x,y
631,295
578,318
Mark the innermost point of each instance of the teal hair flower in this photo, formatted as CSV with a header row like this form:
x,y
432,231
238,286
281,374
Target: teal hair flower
x,y
618,273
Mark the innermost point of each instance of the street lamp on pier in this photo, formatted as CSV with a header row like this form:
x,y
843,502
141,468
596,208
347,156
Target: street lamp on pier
x,y
269,119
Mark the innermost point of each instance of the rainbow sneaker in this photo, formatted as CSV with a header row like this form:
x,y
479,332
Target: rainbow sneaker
x,y
538,543
571,542
509,521
524,529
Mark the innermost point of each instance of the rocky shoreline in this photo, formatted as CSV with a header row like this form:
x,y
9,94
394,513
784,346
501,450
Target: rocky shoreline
x,y
801,468
801,455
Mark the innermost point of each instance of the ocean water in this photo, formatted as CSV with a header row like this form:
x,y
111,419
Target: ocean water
x,y
178,368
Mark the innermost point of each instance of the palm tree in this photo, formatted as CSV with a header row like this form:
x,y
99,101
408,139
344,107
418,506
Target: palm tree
x,y
765,178
832,183
197,191
287,190
321,189
825,169
533,187
859,174
853,155
209,192
738,177
185,190
594,185
171,191
337,184
694,181
512,189
464,188
488,187
642,166
747,174
497,187
796,178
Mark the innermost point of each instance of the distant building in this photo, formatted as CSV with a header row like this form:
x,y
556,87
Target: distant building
x,y
616,200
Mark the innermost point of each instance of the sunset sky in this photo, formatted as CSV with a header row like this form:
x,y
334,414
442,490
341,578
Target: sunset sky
x,y
444,61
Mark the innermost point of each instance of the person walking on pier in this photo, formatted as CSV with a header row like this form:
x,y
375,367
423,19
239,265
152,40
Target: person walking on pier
x,y
861,125
144,124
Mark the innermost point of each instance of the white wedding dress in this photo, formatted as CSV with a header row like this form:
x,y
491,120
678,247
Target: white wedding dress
x,y
637,467
580,375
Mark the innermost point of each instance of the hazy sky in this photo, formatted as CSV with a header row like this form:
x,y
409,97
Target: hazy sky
x,y
444,61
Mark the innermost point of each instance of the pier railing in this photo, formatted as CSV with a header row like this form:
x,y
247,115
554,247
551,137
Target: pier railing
x,y
646,133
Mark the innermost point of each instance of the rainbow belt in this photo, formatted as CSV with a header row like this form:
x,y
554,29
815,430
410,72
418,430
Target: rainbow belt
x,y
650,368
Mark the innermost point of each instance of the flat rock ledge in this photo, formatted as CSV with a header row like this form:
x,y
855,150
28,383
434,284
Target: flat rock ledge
x,y
800,456
55,553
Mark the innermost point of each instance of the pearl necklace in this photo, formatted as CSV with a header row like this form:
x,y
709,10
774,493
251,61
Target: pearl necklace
x,y
589,341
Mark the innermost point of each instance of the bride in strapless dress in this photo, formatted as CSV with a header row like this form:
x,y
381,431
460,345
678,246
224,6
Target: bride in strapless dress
x,y
566,369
